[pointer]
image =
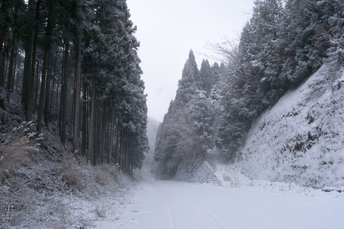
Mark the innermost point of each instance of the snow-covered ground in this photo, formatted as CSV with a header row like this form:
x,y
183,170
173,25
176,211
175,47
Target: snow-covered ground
x,y
181,205
235,201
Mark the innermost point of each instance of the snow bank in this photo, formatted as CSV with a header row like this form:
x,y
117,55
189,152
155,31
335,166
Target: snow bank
x,y
301,139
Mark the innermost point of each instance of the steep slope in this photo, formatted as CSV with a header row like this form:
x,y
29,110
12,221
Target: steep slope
x,y
301,138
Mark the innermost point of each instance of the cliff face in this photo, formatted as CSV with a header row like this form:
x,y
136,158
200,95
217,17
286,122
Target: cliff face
x,y
301,138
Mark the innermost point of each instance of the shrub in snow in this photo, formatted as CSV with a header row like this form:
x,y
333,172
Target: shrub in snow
x,y
19,147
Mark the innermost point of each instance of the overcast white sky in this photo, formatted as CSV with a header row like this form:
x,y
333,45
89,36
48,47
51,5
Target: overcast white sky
x,y
168,29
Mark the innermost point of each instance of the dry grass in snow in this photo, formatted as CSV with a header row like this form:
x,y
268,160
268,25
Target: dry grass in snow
x,y
48,188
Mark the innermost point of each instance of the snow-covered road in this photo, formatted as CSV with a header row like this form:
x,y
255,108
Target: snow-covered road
x,y
180,205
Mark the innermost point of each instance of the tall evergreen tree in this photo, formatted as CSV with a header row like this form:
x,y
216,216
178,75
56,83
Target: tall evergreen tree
x,y
187,133
206,76
190,81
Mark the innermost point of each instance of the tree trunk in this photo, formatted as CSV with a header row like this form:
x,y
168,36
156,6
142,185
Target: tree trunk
x,y
76,130
43,98
110,137
64,92
51,82
117,143
4,10
48,96
43,91
11,68
54,93
37,86
17,62
26,78
2,79
122,164
31,82
91,147
102,132
126,161
96,134
84,121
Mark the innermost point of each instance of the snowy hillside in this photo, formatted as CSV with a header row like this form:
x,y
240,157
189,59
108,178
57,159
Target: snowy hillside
x,y
301,139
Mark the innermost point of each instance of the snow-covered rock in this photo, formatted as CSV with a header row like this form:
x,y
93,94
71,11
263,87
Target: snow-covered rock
x,y
301,138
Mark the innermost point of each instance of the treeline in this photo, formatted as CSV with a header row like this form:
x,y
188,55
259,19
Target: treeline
x,y
187,135
75,65
281,46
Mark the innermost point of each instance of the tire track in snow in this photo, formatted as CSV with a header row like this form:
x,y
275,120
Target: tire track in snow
x,y
171,211
185,207
195,203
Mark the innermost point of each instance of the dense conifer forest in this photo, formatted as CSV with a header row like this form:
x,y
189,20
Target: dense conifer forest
x,y
71,67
